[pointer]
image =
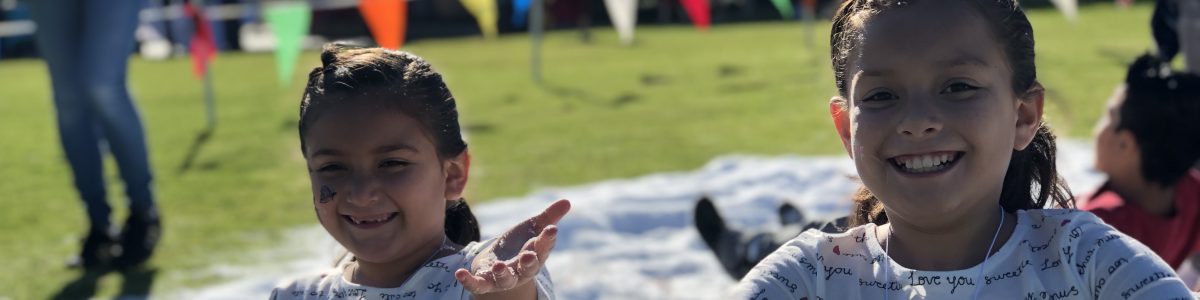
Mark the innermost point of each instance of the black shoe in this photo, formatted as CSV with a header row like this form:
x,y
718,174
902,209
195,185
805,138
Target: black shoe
x,y
138,239
97,251
738,251
789,215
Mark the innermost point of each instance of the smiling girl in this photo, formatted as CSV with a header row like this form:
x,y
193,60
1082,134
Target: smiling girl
x,y
940,108
379,130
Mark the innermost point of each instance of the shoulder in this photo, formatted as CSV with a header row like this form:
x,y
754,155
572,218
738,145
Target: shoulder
x,y
1111,263
1077,229
306,286
792,271
1102,199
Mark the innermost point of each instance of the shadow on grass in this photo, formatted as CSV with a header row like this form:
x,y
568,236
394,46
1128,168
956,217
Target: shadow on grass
x,y
193,151
136,284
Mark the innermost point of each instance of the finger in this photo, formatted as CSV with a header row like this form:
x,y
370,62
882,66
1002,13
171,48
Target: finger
x,y
503,276
544,242
527,265
473,283
552,214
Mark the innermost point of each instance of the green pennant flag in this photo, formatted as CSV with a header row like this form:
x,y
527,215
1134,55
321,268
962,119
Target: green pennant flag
x,y
289,21
785,8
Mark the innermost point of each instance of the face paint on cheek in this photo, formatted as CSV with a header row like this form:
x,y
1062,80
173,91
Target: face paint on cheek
x,y
327,194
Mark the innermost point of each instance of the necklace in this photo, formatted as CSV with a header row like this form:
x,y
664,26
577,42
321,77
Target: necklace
x,y
442,246
982,266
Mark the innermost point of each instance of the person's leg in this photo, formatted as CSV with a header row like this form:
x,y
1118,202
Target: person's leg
x,y
58,34
109,40
1189,33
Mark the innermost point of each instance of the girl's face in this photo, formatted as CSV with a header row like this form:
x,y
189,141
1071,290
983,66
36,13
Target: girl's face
x,y
378,185
932,116
1115,153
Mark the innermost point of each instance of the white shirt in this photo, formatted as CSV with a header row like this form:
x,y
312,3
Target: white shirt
x,y
1052,254
434,280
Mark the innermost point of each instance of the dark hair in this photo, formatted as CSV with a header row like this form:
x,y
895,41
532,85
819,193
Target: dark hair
x,y
393,80
1160,110
1032,179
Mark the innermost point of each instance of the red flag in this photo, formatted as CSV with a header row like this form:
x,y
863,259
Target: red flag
x,y
387,20
699,11
203,46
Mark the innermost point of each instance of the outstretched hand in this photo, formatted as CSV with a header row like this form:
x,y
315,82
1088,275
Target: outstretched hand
x,y
517,256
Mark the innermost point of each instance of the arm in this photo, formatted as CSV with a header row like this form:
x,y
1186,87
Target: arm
x,y
1189,34
1125,269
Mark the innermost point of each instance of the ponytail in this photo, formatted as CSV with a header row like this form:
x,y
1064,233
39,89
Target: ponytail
x,y
461,226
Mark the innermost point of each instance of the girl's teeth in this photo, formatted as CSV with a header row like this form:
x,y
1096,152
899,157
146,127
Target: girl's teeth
x,y
925,163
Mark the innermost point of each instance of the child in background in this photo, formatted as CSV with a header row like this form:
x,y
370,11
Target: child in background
x,y
379,130
1146,143
940,108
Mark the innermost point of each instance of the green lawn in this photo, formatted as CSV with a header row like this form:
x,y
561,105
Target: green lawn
x,y
672,102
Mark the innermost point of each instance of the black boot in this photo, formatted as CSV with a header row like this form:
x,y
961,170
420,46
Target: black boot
x,y
789,214
97,251
138,239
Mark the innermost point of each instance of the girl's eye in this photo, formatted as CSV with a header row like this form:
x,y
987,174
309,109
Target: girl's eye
x,y
330,168
880,96
959,87
393,163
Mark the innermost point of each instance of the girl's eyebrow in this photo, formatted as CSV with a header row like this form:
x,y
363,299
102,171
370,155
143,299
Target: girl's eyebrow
x,y
964,60
325,152
380,149
396,147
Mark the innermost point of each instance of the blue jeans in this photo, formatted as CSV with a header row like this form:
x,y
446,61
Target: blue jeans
x,y
86,45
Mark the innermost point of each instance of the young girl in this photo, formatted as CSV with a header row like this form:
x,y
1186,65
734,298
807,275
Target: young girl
x,y
941,111
388,165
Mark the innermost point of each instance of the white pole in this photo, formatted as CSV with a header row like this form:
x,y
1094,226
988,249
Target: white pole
x,y
537,16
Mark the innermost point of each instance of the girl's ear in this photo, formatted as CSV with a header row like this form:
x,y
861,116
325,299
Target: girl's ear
x,y
1127,144
456,170
841,121
1029,116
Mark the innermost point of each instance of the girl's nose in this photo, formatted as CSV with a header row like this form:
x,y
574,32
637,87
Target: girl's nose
x,y
920,120
364,190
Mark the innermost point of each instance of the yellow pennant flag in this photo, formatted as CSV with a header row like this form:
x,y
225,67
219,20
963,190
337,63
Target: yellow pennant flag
x,y
485,14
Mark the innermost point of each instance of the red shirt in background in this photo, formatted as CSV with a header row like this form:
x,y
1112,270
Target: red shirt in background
x,y
1175,238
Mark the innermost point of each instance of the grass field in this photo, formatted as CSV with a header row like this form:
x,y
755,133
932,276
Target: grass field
x,y
672,102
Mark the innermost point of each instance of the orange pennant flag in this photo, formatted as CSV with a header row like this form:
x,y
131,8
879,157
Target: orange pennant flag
x,y
388,20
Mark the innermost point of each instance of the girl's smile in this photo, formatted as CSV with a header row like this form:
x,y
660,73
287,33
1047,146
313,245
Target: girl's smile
x,y
369,221
926,164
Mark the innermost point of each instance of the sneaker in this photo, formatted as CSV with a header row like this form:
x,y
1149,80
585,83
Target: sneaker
x,y
789,215
138,239
97,251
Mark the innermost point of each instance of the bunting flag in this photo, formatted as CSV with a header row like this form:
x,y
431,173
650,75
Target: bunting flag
x,y
388,20
1069,8
785,8
203,47
485,14
699,11
520,11
623,14
289,21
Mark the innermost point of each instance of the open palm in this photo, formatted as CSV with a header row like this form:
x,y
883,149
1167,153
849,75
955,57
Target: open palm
x,y
517,255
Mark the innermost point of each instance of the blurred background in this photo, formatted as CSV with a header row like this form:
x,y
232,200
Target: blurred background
x,y
695,97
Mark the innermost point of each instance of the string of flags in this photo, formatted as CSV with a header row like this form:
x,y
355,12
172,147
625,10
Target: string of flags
x,y
289,21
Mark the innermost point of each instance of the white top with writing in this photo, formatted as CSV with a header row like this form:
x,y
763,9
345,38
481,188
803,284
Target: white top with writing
x,y
434,280
1052,254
